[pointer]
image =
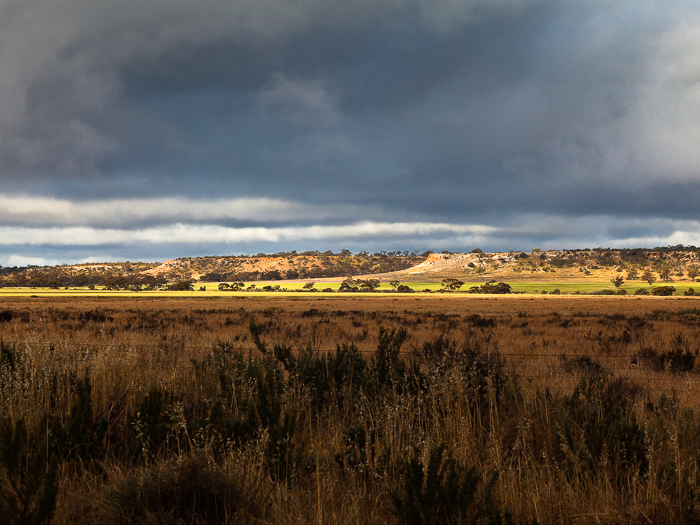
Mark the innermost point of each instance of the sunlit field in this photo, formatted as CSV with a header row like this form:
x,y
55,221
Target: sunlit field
x,y
438,408
323,288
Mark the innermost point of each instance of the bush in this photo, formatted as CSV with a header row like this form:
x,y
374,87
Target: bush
x,y
188,490
663,291
151,421
678,359
386,360
585,364
440,492
182,286
28,482
495,288
598,429
641,291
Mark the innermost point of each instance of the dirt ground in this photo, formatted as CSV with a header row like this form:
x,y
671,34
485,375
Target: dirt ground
x,y
457,304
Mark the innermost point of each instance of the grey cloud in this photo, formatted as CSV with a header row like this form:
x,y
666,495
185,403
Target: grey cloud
x,y
74,66
522,232
137,212
439,111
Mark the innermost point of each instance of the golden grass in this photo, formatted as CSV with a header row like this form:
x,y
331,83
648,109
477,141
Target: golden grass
x,y
129,345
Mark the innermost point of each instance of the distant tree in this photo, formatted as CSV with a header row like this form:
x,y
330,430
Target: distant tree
x,y
309,285
693,272
493,287
451,285
402,288
272,275
348,285
663,290
617,281
394,284
649,277
665,273
632,274
182,286
224,286
368,285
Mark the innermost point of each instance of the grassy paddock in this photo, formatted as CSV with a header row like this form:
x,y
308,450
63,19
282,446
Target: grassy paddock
x,y
349,409
294,288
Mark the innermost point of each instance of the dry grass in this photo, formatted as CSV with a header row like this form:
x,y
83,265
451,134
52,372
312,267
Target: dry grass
x,y
581,351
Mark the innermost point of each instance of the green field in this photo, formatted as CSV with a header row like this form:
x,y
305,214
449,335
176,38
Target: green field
x,y
296,288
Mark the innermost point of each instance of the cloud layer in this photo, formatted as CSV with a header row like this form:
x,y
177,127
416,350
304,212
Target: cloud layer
x,y
42,211
265,117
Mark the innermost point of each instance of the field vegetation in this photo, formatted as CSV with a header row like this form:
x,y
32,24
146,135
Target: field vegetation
x,y
326,287
352,409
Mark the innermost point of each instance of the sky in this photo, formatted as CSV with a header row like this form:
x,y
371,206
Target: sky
x,y
134,130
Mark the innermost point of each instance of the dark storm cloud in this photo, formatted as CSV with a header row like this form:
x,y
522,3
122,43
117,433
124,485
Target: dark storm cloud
x,y
476,113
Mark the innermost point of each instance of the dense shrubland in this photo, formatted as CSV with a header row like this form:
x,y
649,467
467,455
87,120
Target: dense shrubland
x,y
232,415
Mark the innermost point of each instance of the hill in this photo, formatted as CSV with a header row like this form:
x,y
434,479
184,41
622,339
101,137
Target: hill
x,y
665,264
275,267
